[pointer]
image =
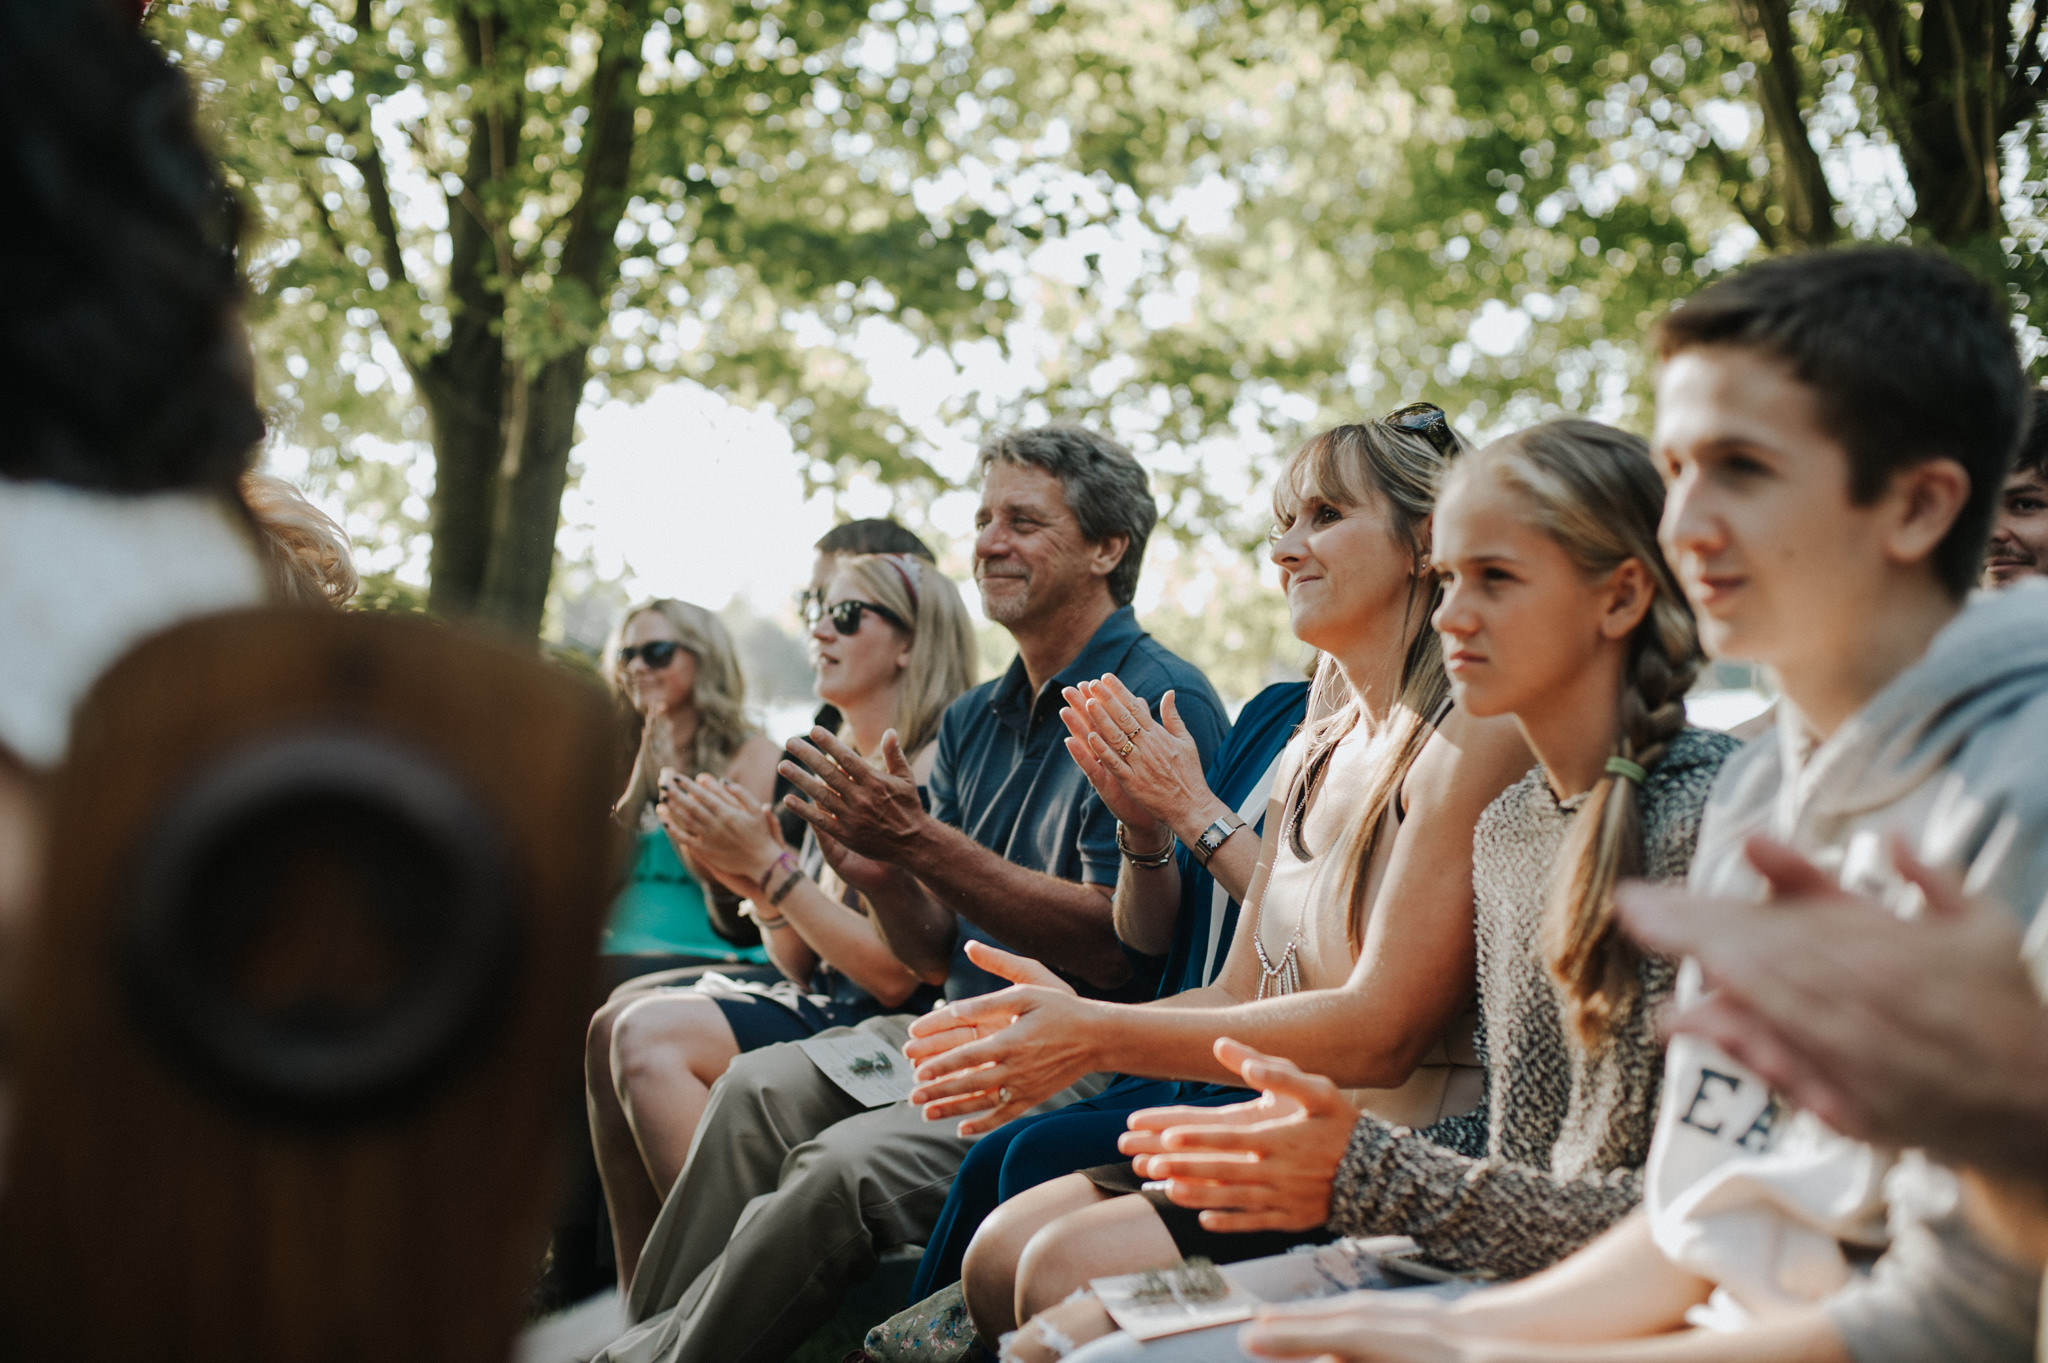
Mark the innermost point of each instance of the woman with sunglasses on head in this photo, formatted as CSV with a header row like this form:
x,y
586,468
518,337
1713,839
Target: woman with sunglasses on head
x,y
1354,946
1560,611
893,648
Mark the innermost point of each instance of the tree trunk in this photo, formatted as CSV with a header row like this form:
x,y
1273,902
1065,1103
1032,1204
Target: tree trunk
x,y
462,390
528,496
1804,198
529,499
466,388
1951,151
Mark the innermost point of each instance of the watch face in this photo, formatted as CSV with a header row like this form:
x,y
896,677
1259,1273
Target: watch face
x,y
1214,836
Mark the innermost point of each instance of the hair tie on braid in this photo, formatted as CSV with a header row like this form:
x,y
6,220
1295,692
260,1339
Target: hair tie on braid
x,y
1632,771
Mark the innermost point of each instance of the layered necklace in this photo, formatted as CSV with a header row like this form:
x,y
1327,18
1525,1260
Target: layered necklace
x,y
1278,979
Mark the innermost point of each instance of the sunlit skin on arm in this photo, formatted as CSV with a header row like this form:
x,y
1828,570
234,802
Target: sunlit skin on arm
x,y
1619,1300
1413,974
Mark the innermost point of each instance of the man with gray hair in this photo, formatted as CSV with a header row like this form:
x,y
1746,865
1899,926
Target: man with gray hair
x,y
793,1189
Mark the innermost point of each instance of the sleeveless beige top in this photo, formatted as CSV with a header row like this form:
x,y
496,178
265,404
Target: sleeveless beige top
x,y
1306,896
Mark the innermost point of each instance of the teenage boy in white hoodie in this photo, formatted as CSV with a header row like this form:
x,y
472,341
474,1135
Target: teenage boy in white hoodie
x,y
1835,428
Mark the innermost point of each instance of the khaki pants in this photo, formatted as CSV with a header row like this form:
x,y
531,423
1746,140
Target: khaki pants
x,y
792,1192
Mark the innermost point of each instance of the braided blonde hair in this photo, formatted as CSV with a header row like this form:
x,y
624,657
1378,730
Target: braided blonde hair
x,y
1595,491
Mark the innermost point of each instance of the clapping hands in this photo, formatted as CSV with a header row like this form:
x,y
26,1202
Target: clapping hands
x,y
1148,772
1268,1164
999,1055
720,830
871,811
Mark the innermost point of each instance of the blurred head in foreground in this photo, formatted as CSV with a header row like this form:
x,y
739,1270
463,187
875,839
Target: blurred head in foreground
x,y
124,368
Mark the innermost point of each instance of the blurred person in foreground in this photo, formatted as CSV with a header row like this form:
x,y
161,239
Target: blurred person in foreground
x,y
126,377
124,368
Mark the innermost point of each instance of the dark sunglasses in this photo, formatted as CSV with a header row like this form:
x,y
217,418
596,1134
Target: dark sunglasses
x,y
810,605
656,655
1427,420
845,616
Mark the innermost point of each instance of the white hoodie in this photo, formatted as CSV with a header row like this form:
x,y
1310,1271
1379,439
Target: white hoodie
x,y
85,576
1742,1189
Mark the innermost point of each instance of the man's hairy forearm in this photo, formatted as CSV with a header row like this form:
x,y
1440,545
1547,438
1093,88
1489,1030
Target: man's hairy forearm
x,y
1146,903
919,931
1059,922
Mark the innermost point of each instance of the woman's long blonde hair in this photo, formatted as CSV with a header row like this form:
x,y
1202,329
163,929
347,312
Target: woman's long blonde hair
x,y
718,695
1595,491
305,553
941,662
1353,465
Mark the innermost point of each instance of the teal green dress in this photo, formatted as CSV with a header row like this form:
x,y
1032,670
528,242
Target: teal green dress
x,y
661,911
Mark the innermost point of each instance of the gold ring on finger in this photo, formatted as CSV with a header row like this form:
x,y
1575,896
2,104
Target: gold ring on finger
x,y
1125,750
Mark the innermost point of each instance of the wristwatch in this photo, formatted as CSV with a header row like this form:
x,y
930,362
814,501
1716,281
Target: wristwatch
x,y
1213,837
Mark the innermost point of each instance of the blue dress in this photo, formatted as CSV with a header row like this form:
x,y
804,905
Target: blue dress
x,y
1034,1150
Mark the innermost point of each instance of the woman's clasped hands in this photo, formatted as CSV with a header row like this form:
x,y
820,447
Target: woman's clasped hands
x,y
999,1055
720,830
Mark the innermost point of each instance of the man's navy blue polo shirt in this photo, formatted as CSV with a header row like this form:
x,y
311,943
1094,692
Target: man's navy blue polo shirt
x,y
1003,777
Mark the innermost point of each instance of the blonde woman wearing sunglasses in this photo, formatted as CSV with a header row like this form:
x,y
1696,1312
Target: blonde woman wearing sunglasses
x,y
673,663
892,646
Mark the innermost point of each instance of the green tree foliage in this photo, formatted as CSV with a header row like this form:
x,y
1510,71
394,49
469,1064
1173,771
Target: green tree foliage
x,y
474,206
1487,202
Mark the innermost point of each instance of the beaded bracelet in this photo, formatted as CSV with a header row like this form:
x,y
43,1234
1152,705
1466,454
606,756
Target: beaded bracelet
x,y
783,861
788,883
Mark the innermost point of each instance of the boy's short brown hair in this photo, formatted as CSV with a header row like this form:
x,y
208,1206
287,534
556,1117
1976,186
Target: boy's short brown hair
x,y
1910,356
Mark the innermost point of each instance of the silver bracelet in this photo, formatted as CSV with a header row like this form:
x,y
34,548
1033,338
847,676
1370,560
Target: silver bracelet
x,y
1150,861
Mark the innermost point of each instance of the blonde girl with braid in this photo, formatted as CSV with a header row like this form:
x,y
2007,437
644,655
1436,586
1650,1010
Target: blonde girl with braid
x,y
1559,610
